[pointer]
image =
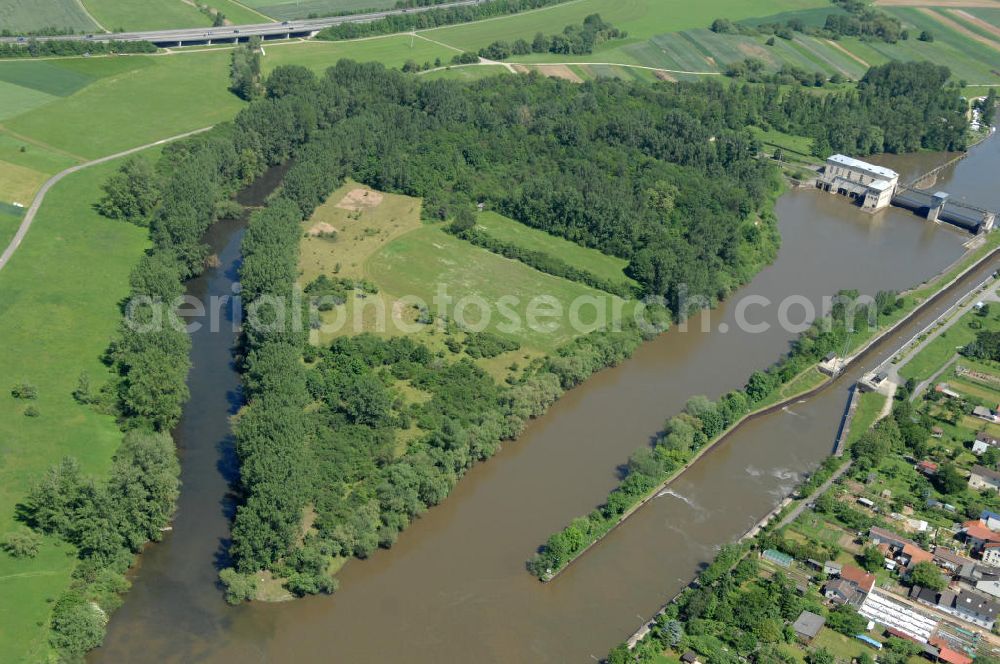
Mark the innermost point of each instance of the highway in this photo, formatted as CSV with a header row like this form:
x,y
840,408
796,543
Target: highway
x,y
234,33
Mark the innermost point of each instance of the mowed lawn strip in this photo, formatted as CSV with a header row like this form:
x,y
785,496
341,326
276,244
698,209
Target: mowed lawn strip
x,y
58,312
592,260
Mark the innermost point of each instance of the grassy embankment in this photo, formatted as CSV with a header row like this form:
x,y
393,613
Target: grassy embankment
x,y
58,312
284,10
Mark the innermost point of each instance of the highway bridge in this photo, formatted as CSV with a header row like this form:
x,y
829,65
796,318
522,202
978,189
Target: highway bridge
x,y
240,33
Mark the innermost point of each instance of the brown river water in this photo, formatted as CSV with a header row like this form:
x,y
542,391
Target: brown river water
x,y
454,587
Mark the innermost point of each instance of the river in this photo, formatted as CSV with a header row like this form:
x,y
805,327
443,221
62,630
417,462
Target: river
x,y
454,588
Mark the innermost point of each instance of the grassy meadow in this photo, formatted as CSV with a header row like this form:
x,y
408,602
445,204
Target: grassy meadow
x,y
379,237
58,312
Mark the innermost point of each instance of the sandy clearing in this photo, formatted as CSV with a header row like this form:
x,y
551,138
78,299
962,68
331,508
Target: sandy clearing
x,y
976,21
360,199
958,27
861,61
559,71
664,76
321,228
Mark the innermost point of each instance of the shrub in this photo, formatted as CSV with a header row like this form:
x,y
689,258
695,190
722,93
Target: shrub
x,y
239,587
22,544
24,391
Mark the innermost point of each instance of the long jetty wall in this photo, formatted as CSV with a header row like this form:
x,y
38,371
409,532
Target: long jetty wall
x,y
845,422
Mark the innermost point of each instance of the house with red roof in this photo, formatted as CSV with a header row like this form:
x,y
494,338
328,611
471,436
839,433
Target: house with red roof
x,y
978,535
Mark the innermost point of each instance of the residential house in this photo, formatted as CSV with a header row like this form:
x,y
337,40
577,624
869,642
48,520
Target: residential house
x,y
832,568
989,584
851,588
976,609
840,591
983,442
984,478
990,519
978,535
936,432
928,468
807,626
950,560
899,549
991,554
690,657
984,413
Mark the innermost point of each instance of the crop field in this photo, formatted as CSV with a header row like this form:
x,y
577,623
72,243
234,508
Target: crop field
x,y
641,18
392,50
293,9
71,312
146,14
31,15
591,260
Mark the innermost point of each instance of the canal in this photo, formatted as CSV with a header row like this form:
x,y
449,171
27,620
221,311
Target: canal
x,y
454,588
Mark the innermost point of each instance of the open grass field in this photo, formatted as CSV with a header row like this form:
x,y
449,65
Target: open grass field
x,y
134,100
380,237
293,9
57,314
591,260
869,407
146,14
421,262
31,15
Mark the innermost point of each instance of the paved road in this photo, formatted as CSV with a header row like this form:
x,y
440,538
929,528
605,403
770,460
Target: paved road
x,y
29,216
243,32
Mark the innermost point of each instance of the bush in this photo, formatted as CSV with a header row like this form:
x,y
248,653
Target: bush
x,y
31,411
24,391
239,587
22,544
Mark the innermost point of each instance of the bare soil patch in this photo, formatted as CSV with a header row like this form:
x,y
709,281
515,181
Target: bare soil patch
x,y
861,61
664,76
360,199
321,228
559,71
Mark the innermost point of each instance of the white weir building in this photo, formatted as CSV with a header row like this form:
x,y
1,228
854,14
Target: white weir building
x,y
871,186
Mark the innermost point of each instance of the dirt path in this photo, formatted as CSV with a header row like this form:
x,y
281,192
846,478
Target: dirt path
x,y
29,216
976,21
958,27
861,61
91,16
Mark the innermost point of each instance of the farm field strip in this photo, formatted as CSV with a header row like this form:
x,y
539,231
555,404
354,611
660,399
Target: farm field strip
x,y
30,15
